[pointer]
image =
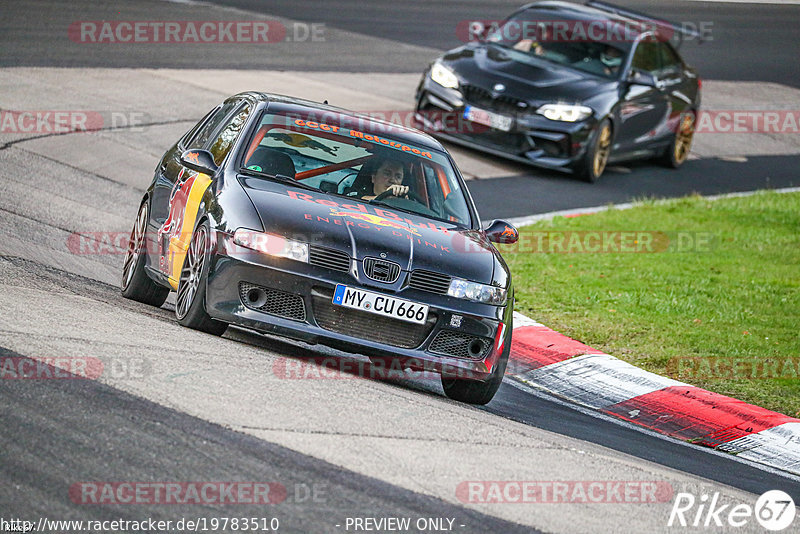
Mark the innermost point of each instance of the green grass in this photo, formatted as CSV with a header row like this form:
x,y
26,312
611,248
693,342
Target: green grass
x,y
735,298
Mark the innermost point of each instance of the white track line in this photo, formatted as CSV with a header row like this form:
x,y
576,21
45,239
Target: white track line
x,y
531,219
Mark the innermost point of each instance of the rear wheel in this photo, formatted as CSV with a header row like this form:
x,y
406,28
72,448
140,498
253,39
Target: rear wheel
x,y
474,391
678,150
596,158
190,304
136,285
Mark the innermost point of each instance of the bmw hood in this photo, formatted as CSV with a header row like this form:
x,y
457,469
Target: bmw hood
x,y
537,81
363,230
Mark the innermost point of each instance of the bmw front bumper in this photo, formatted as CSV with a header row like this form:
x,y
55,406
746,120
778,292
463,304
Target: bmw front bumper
x,y
532,139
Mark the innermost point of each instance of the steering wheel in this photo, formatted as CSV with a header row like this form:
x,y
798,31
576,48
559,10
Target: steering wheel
x,y
411,196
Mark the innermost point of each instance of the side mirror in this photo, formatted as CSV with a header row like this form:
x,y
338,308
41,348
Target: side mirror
x,y
639,77
502,232
199,160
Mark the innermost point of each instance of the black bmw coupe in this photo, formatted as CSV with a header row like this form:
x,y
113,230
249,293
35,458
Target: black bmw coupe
x,y
308,221
566,86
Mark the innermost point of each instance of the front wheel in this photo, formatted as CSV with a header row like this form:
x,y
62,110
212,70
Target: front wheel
x,y
596,158
190,303
678,151
136,285
474,391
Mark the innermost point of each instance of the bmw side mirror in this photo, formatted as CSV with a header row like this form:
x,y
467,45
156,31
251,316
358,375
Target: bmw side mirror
x,y
639,77
199,160
502,232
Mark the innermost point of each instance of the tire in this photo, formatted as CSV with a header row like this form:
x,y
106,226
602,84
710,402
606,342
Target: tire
x,y
190,303
678,150
596,158
136,285
474,391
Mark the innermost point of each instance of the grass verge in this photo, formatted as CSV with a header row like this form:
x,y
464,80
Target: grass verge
x,y
707,292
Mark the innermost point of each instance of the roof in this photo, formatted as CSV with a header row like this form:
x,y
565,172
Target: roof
x,y
556,10
346,117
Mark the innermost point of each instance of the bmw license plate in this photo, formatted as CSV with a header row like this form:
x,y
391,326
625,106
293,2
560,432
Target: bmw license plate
x,y
380,304
487,118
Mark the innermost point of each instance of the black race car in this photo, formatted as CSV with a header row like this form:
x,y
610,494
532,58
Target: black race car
x,y
567,87
308,221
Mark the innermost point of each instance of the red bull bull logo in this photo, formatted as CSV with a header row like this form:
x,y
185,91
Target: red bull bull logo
x,y
374,219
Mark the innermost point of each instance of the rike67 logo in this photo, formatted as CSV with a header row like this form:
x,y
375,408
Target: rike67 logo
x,y
774,511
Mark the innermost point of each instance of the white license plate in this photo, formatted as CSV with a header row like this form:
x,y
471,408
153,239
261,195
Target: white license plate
x,y
487,118
379,304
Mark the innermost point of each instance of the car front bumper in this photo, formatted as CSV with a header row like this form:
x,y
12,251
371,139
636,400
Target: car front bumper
x,y
300,307
532,139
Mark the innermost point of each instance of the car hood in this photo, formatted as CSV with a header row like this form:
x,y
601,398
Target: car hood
x,y
537,82
364,230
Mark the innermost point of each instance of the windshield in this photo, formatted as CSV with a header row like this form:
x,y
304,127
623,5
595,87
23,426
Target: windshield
x,y
596,47
348,162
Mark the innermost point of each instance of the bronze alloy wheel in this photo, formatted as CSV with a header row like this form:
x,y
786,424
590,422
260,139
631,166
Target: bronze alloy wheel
x,y
603,150
683,139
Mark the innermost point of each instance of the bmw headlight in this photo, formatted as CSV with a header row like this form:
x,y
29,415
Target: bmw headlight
x,y
271,244
464,289
565,112
444,76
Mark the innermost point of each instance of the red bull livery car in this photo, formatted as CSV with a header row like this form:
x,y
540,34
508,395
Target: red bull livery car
x,y
300,219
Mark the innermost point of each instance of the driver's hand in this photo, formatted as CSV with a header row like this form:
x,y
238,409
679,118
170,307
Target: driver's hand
x,y
398,190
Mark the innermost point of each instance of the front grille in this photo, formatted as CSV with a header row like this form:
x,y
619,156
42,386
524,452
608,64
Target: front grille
x,y
329,258
429,281
369,326
381,270
452,343
501,103
505,140
272,301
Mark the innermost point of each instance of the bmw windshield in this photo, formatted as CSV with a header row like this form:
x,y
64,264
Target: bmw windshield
x,y
597,47
335,154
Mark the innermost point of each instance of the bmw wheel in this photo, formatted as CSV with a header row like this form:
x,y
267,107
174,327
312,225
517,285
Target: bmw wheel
x,y
678,150
190,305
596,158
136,285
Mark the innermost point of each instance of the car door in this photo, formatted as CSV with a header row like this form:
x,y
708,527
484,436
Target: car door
x,y
642,108
677,87
188,187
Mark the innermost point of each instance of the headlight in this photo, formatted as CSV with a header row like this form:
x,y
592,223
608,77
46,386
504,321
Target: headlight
x,y
443,76
274,245
564,112
463,289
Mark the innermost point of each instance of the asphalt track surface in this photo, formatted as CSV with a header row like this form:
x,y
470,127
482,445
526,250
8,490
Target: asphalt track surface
x,y
58,432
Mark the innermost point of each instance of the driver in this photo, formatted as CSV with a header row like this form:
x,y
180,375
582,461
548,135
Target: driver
x,y
388,177
611,58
